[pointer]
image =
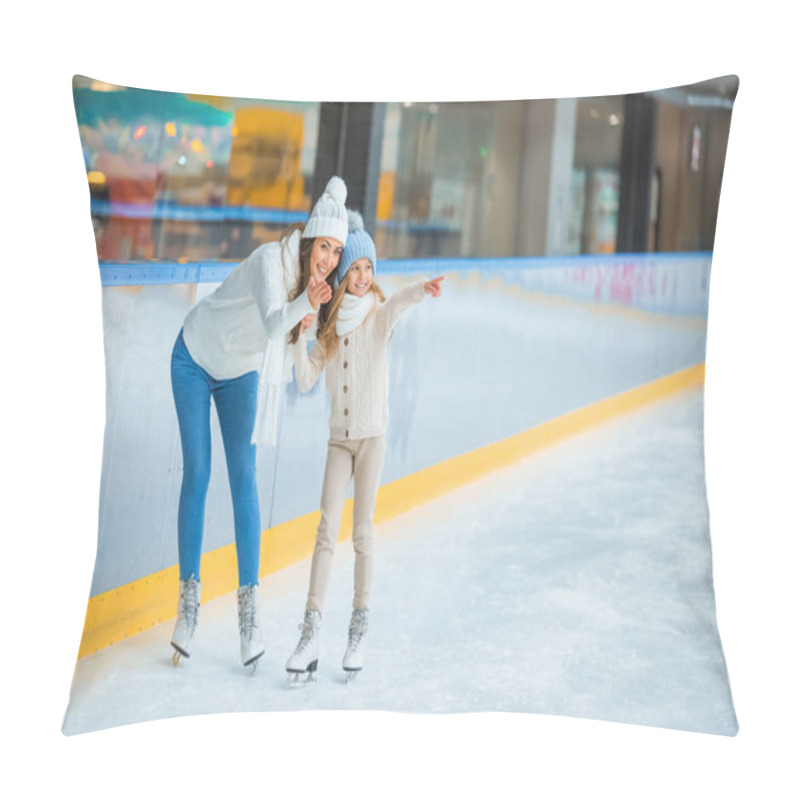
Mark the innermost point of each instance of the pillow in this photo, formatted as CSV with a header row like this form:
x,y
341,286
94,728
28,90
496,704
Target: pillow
x,y
541,533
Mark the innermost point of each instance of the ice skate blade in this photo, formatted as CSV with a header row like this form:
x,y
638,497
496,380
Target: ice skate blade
x,y
297,681
253,662
177,654
294,676
351,675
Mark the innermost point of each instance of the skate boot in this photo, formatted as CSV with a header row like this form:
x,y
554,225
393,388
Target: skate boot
x,y
356,642
251,644
304,658
186,624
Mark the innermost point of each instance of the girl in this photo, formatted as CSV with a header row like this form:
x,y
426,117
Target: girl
x,y
233,347
352,342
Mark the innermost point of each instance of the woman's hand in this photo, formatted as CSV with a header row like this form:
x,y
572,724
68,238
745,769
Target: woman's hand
x,y
319,292
434,287
306,322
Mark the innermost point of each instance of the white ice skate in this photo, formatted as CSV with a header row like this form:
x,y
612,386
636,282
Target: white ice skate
x,y
186,624
251,643
304,658
356,643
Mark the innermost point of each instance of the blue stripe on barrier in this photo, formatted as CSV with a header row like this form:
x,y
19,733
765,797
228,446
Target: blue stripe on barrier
x,y
278,216
142,273
430,265
168,211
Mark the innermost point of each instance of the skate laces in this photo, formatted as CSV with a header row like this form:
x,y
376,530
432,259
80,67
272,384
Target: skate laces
x,y
358,627
247,611
189,602
307,631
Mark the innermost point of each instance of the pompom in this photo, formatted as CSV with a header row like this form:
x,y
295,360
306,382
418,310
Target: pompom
x,y
337,189
355,222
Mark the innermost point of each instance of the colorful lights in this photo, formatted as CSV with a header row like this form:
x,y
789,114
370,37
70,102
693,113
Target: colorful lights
x,y
96,178
139,132
171,129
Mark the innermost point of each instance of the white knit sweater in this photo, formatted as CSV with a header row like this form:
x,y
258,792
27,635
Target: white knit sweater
x,y
242,326
227,332
357,377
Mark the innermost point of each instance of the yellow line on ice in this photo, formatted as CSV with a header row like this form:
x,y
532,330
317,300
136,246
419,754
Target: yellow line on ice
x,y
134,607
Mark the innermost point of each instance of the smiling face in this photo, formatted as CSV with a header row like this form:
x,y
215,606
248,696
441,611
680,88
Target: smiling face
x,y
325,254
359,277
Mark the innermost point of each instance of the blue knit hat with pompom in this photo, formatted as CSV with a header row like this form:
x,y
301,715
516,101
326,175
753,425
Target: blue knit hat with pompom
x,y
359,245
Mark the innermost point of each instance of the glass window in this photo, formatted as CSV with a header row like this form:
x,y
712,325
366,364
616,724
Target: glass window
x,y
433,175
494,179
596,169
192,177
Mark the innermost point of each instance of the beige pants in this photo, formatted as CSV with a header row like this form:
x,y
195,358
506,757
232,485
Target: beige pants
x,y
361,460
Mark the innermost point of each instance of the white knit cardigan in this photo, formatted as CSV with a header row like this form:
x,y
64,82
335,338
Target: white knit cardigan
x,y
242,326
357,377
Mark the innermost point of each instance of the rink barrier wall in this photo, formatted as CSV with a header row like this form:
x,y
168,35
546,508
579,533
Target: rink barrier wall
x,y
667,284
134,607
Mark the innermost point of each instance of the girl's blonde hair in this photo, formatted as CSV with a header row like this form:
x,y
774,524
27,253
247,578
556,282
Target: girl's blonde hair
x,y
327,329
306,245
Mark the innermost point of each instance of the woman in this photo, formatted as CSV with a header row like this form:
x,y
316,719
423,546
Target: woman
x,y
233,347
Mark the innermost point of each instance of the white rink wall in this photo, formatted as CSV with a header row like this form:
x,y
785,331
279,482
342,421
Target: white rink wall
x,y
503,350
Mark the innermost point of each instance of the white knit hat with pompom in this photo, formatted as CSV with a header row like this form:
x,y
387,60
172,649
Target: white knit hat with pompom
x,y
329,217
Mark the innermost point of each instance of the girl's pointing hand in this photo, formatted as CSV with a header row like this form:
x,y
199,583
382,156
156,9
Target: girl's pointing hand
x,y
434,287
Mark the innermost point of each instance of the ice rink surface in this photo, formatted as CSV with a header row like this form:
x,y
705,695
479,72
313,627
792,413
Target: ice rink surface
x,y
574,583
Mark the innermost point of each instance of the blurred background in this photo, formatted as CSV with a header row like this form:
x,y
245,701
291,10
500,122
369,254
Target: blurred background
x,y
178,177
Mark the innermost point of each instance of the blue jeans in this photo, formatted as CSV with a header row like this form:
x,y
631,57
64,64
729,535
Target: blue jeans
x,y
235,399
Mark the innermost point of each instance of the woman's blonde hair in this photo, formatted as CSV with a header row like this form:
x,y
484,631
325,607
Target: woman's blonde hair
x,y
327,329
306,246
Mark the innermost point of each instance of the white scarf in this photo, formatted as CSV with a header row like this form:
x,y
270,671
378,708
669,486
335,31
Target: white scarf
x,y
352,312
276,366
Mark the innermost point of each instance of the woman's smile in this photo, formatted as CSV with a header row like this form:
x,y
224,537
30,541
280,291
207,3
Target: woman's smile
x,y
325,256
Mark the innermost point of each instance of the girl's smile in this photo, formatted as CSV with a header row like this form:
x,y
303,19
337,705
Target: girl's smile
x,y
359,277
